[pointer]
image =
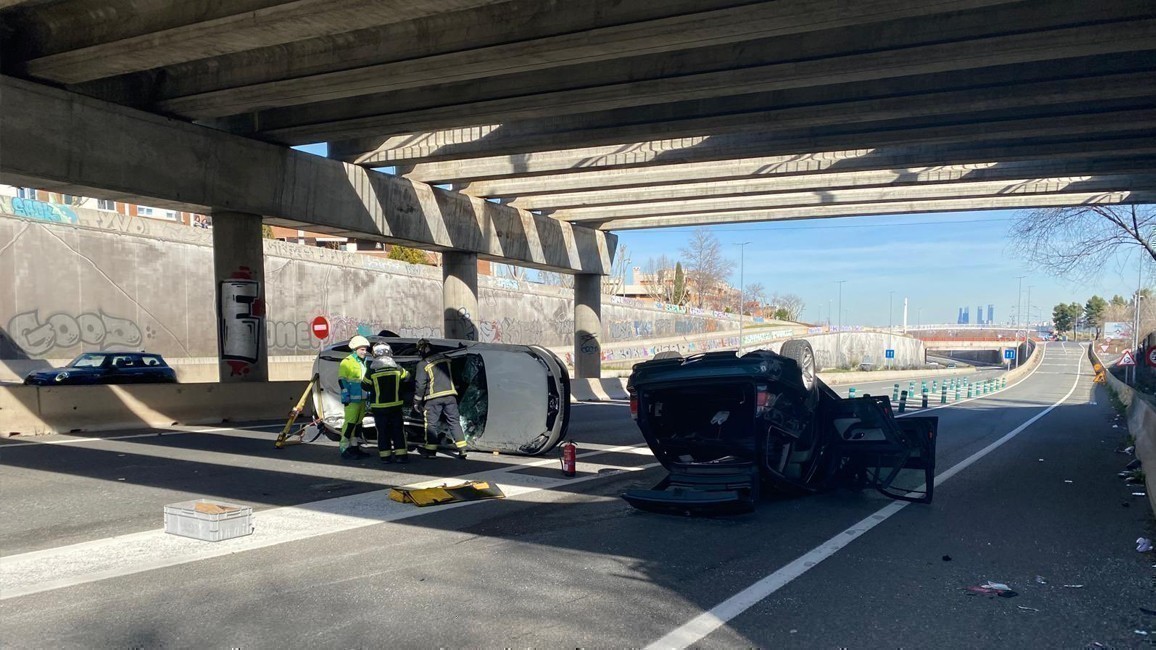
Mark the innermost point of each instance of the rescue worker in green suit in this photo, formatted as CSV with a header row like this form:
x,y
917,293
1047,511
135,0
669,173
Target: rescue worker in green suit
x,y
434,395
384,379
350,374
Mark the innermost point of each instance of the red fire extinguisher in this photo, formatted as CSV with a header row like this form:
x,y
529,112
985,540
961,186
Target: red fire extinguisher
x,y
569,458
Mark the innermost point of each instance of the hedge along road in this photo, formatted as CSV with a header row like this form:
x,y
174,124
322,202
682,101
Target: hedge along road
x,y
569,564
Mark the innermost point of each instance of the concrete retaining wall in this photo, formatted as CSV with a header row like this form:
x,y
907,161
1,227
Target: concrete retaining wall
x,y
99,280
30,410
1141,417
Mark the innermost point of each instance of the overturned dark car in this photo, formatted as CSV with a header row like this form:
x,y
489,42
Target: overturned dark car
x,y
727,428
512,398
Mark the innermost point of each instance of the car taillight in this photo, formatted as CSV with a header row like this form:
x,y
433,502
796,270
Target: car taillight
x,y
763,400
633,406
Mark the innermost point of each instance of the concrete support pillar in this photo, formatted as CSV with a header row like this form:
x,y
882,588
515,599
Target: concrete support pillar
x,y
239,272
460,295
588,326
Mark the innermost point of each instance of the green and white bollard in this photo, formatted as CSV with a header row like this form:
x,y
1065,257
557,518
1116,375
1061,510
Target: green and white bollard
x,y
957,392
943,394
923,403
935,386
969,391
895,393
903,401
910,388
851,392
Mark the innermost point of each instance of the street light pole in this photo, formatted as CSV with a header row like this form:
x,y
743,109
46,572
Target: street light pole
x,y
839,336
890,331
1019,298
742,249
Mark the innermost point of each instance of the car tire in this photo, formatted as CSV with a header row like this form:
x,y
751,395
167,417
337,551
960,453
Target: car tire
x,y
804,355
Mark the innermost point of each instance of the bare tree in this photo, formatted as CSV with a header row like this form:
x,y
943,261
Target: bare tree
x,y
1073,242
788,305
556,279
706,267
512,271
613,282
754,297
657,278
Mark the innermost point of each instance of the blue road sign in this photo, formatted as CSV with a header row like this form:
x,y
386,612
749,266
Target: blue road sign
x,y
890,354
1009,354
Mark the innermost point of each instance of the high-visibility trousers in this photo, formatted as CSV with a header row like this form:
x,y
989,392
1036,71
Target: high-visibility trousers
x,y
351,430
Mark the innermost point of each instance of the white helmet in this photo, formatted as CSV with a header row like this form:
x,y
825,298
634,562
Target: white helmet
x,y
382,350
358,342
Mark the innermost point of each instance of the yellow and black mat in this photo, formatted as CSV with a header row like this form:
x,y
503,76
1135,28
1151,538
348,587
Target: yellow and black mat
x,y
439,494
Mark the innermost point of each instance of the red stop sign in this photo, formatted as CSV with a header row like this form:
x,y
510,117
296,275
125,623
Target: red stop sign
x,y
320,327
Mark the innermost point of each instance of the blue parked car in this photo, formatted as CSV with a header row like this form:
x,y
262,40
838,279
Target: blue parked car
x,y
107,368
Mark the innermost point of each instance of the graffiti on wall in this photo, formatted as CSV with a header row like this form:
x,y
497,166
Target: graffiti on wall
x,y
461,325
512,330
33,209
37,336
292,337
242,327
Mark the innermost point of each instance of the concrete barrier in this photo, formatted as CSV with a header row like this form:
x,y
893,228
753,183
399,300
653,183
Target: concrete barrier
x,y
598,390
68,409
1141,418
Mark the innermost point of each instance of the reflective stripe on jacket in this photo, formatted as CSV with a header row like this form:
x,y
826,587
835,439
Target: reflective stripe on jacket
x,y
349,376
434,380
385,384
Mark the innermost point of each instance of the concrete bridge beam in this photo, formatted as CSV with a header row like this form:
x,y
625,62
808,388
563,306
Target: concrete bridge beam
x,y
961,190
78,145
866,209
1012,90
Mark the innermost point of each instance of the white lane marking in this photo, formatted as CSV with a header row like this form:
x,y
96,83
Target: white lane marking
x,y
92,561
700,626
154,434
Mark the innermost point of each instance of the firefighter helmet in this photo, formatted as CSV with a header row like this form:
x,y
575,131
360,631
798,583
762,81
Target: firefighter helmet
x,y
382,350
423,347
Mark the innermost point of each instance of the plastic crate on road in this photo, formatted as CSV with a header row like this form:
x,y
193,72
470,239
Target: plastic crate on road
x,y
211,521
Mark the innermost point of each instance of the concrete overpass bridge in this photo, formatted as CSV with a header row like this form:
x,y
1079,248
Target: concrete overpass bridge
x,y
554,123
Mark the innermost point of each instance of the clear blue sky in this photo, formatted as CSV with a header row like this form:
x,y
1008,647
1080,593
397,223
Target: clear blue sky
x,y
939,262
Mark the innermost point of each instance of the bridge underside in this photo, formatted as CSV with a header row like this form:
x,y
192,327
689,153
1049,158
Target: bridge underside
x,y
604,114
524,130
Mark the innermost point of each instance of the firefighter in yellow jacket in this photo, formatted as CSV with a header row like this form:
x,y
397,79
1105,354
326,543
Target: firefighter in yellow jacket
x,y
435,397
350,374
384,382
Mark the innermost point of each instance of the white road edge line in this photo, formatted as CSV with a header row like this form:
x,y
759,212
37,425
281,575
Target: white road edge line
x,y
112,557
702,625
154,434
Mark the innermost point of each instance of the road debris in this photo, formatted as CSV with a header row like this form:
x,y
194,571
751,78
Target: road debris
x,y
1040,580
1074,586
427,496
993,589
1030,609
1143,545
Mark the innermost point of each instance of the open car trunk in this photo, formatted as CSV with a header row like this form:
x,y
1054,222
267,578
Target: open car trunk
x,y
728,429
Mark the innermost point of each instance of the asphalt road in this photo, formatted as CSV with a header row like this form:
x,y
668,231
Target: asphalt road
x,y
1027,495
